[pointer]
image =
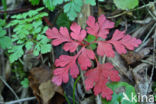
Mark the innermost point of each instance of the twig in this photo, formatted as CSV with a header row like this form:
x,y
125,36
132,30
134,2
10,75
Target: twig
x,y
98,99
154,47
9,87
146,40
149,11
120,14
149,33
20,100
15,11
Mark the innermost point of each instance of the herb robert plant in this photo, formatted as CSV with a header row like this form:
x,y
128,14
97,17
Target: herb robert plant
x,y
97,77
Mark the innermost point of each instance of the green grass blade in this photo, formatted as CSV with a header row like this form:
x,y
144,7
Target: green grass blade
x,y
4,7
75,83
66,98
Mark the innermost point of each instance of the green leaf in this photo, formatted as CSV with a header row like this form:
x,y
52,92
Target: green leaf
x,y
56,2
2,22
2,32
93,46
44,29
73,8
5,42
31,13
63,20
127,4
16,53
4,3
91,2
118,98
25,83
29,33
34,2
101,0
37,24
49,4
45,48
36,50
29,45
90,38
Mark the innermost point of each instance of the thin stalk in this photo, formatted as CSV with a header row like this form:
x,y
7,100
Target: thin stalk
x,y
74,89
4,8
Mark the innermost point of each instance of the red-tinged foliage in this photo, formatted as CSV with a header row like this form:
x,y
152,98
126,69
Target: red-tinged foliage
x,y
85,57
77,33
98,78
120,41
62,36
67,63
100,28
105,49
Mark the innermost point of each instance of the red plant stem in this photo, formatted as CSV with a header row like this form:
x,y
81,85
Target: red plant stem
x,y
96,60
15,11
47,21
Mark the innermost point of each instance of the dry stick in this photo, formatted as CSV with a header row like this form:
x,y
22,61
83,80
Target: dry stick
x,y
145,41
149,11
149,33
154,47
120,14
20,100
9,88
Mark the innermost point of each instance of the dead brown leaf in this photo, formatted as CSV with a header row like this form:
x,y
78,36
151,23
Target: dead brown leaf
x,y
131,57
43,88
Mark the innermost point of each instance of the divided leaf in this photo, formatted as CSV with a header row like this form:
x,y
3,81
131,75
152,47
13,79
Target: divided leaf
x,y
91,2
29,32
97,34
85,57
5,41
73,8
63,36
100,28
16,53
120,41
67,63
98,79
105,49
49,4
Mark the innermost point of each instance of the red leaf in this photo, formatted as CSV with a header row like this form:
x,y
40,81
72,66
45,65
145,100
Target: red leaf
x,y
59,37
76,33
70,46
84,58
98,78
93,26
67,63
122,41
100,28
105,49
62,36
